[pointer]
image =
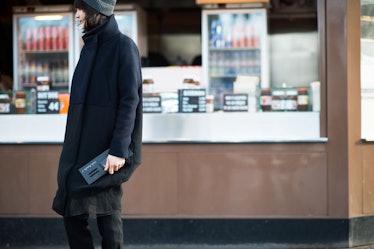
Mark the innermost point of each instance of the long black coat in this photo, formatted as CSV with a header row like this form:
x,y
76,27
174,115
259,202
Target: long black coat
x,y
105,111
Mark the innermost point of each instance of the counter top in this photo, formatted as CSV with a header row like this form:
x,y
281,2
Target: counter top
x,y
220,127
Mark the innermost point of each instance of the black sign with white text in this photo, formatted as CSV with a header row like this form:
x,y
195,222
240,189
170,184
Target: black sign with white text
x,y
152,103
192,100
47,102
235,102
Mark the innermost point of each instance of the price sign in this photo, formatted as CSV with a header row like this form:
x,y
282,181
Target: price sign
x,y
152,103
235,102
192,100
47,102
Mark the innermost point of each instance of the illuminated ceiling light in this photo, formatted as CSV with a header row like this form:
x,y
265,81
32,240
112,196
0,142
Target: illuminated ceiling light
x,y
49,18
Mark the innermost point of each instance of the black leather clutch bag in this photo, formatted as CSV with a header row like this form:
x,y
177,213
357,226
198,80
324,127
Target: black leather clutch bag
x,y
94,169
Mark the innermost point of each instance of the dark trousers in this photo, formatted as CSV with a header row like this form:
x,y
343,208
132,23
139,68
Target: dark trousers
x,y
80,237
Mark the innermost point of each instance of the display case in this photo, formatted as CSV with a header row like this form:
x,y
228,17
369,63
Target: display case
x,y
43,47
234,43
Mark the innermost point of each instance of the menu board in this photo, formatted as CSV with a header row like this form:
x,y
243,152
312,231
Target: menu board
x,y
192,100
152,103
235,102
47,102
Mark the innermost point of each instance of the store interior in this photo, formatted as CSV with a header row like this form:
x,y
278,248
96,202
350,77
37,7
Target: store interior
x,y
173,43
174,33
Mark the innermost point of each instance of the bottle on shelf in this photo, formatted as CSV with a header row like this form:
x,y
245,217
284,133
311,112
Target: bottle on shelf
x,y
60,38
219,42
28,39
20,102
4,103
66,72
54,37
48,38
278,101
41,37
31,102
291,100
32,73
210,103
212,34
59,73
266,99
248,33
66,37
188,82
34,39
255,37
238,32
148,84
302,99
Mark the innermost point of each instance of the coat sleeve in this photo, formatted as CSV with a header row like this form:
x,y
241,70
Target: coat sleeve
x,y
129,82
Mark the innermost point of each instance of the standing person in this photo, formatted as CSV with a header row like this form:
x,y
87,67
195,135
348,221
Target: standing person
x,y
105,112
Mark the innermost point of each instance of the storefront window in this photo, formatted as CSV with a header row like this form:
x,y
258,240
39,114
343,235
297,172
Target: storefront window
x,y
258,82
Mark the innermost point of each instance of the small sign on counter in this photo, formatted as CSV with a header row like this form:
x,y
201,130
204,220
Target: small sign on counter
x,y
192,100
47,102
237,102
152,103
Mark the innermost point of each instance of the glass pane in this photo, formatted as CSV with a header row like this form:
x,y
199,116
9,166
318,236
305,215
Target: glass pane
x,y
236,46
43,49
126,23
367,72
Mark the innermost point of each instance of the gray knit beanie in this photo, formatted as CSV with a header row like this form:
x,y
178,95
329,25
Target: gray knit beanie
x,y
104,7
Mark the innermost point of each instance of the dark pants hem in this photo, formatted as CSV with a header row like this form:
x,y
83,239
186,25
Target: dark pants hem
x,y
80,237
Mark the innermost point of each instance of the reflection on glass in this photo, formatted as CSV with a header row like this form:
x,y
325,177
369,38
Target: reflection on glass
x,y
367,69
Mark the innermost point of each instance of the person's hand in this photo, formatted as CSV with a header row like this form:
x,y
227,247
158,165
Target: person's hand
x,y
114,163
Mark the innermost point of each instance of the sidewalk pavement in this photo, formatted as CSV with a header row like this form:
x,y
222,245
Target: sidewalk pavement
x,y
190,246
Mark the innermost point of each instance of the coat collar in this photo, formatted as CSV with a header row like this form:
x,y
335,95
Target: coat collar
x,y
102,33
92,41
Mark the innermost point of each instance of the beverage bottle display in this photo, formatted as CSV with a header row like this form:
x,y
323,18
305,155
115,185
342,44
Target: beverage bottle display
x,y
237,31
235,45
43,51
45,38
235,62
